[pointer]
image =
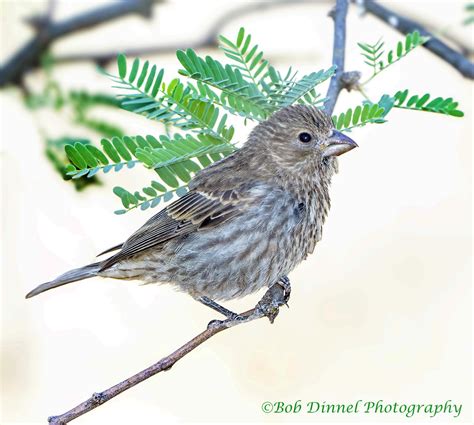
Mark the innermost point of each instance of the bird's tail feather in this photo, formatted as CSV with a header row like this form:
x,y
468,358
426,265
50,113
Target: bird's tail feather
x,y
68,277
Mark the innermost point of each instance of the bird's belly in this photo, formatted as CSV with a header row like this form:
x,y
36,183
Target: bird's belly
x,y
238,260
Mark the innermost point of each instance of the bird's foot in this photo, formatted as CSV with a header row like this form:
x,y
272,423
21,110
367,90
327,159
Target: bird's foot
x,y
277,295
284,282
228,322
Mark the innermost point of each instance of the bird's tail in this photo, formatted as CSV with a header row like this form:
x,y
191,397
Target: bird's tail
x,y
68,277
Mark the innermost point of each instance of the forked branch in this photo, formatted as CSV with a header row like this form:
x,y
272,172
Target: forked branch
x,y
338,13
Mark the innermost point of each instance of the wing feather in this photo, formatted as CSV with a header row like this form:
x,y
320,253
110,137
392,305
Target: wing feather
x,y
193,212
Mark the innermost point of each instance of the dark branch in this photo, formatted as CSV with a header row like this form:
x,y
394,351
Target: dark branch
x,y
29,55
406,25
338,13
209,40
275,297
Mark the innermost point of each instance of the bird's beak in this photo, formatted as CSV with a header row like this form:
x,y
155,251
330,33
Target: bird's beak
x,y
338,144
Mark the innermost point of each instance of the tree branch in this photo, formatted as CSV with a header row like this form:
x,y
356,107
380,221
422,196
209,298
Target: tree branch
x,y
208,40
275,297
406,25
338,13
29,55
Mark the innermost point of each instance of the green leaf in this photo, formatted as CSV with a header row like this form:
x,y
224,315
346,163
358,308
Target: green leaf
x,y
348,118
296,90
386,103
75,157
122,65
167,177
143,74
110,150
400,96
408,42
237,94
415,36
423,99
340,121
412,100
246,57
373,53
159,187
133,72
240,36
370,113
150,79
121,149
150,191
356,116
365,112
88,157
366,48
399,49
126,197
440,105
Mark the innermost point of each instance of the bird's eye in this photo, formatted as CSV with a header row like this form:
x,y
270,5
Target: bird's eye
x,y
305,137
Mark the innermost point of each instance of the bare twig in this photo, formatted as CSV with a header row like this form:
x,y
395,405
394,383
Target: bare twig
x,y
275,297
338,13
29,55
406,25
209,40
47,32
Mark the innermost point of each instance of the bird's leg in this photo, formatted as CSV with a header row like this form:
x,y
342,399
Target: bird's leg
x,y
277,295
284,282
220,309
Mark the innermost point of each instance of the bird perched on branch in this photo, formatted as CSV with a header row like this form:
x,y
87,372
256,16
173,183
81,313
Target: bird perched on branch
x,y
246,221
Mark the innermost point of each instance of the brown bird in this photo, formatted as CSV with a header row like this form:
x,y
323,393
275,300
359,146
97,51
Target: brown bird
x,y
246,221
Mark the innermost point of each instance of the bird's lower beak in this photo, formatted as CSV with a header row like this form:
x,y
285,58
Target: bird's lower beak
x,y
338,144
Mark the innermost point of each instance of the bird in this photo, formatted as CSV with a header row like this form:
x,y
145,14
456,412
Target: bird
x,y
247,220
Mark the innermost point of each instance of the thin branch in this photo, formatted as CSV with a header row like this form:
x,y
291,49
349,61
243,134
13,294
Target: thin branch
x,y
103,58
338,13
209,40
275,297
29,55
406,25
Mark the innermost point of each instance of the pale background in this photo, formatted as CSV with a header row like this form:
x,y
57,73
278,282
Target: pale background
x,y
382,310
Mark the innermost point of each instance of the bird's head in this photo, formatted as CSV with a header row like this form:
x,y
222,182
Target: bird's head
x,y
299,136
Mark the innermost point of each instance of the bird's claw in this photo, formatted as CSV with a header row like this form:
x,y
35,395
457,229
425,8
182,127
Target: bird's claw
x,y
284,282
276,296
269,306
214,324
232,318
269,310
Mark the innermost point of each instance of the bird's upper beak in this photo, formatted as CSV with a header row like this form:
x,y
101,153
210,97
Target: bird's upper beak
x,y
338,144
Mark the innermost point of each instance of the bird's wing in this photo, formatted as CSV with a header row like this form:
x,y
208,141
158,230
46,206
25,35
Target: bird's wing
x,y
114,248
194,211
